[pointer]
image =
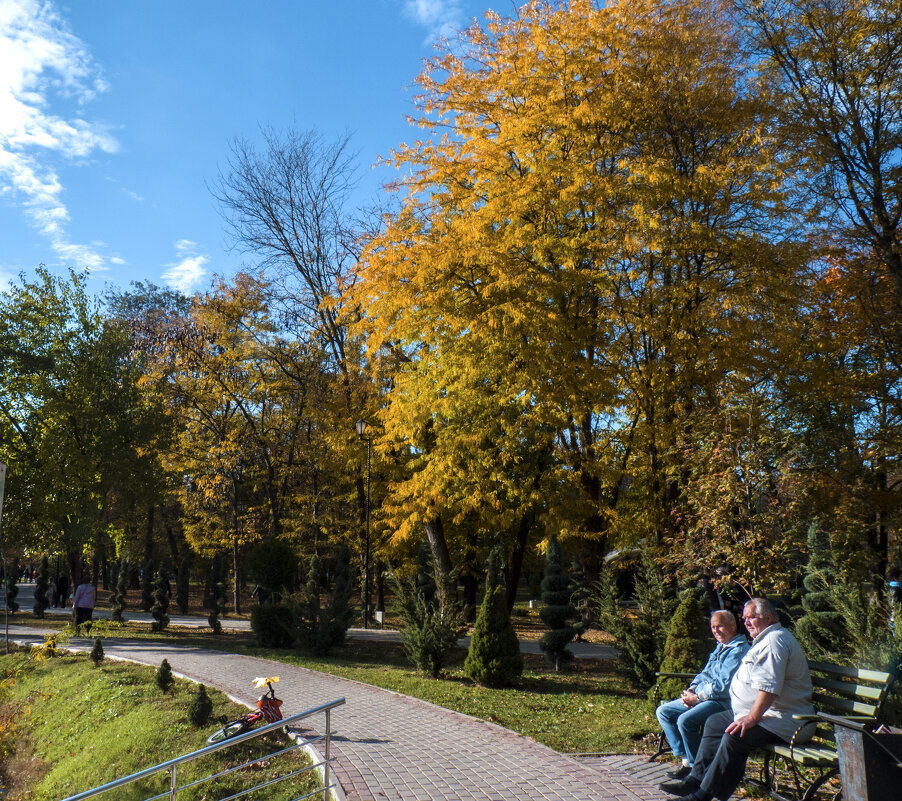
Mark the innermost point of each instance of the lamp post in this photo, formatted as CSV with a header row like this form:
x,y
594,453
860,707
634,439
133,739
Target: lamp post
x,y
3,552
361,432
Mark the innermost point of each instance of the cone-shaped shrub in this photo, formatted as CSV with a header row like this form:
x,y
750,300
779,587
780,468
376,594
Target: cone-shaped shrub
x,y
557,611
200,708
688,641
97,652
160,610
494,658
164,677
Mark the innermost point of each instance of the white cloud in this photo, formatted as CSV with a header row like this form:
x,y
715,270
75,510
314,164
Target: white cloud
x,y
40,61
442,18
187,272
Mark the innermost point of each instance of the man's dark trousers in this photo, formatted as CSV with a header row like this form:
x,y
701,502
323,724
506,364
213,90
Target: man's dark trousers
x,y
720,762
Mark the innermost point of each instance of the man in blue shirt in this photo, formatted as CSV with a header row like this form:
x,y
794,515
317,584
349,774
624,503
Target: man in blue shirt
x,y
708,693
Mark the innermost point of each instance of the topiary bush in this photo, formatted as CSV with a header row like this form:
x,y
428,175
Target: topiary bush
x,y
494,658
164,677
688,641
97,652
201,707
120,591
557,611
41,585
274,625
160,609
821,630
217,594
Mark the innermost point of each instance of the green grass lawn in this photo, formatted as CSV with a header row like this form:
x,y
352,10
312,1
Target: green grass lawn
x,y
67,726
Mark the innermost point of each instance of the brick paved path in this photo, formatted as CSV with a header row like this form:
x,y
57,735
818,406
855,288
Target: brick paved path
x,y
391,747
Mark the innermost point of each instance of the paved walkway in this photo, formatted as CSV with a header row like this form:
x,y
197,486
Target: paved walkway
x,y
390,747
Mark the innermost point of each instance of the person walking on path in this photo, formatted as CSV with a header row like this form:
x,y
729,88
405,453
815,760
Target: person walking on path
x,y
84,601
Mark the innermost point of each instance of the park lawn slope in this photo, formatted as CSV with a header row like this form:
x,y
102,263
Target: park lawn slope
x,y
76,726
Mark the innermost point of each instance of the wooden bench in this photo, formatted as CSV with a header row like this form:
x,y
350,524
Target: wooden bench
x,y
850,693
844,692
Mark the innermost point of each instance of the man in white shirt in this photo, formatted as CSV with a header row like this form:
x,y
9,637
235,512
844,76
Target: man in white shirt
x,y
771,685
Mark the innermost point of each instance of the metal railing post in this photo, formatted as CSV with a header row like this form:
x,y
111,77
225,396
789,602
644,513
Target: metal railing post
x,y
173,785
326,780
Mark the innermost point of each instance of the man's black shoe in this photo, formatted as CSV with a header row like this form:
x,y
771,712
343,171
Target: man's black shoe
x,y
687,786
680,773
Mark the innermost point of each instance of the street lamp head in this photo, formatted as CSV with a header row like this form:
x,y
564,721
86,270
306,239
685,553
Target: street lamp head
x,y
361,428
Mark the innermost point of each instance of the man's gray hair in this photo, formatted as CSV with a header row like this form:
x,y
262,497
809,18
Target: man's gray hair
x,y
763,607
726,616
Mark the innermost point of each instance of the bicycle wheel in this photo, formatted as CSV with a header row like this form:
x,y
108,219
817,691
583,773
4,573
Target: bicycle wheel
x,y
232,729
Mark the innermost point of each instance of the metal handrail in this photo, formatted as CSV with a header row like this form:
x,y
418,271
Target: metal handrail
x,y
173,763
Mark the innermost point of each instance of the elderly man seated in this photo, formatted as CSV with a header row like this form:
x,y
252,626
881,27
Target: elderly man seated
x,y
709,692
771,685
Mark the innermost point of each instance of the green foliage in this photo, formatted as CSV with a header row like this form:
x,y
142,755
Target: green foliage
x,y
426,585
688,640
821,630
97,652
12,590
118,601
163,677
274,625
273,564
494,658
182,582
557,611
160,610
322,628
201,707
41,585
217,593
428,635
640,633
147,576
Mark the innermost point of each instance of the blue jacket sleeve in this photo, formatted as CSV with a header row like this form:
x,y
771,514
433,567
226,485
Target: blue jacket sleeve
x,y
713,683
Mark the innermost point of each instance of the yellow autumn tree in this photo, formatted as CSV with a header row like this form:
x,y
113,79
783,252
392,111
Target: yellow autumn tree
x,y
592,232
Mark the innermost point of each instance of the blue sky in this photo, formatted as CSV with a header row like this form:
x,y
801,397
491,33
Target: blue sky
x,y
115,115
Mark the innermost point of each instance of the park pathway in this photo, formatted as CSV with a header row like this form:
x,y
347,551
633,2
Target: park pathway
x,y
391,747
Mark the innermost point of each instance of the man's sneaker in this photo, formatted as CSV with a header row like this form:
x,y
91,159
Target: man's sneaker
x,y
680,773
684,787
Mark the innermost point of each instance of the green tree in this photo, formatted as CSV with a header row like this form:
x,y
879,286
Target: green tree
x,y
97,652
556,612
688,640
821,629
494,658
163,676
41,585
118,600
201,707
217,594
160,610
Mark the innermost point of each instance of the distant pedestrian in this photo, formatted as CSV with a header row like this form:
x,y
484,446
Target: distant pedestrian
x,y
62,590
84,600
51,593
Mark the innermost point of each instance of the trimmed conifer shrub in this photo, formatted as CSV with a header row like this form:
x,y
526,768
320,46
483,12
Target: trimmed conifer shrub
x,y
641,634
494,658
557,611
97,652
217,594
120,591
12,589
182,583
201,707
41,585
429,637
822,629
164,677
147,576
160,609
688,640
274,625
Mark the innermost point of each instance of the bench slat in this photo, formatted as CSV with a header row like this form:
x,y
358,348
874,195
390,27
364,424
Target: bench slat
x,y
849,690
873,676
828,703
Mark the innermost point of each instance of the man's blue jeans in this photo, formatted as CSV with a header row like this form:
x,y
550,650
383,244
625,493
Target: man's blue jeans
x,y
683,725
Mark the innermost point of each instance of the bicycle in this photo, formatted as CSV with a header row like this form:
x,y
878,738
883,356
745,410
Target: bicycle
x,y
268,709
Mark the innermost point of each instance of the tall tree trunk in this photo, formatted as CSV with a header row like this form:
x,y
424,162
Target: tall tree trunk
x,y
441,560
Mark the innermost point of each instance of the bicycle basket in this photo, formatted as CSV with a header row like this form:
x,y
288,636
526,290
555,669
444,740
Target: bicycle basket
x,y
270,709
